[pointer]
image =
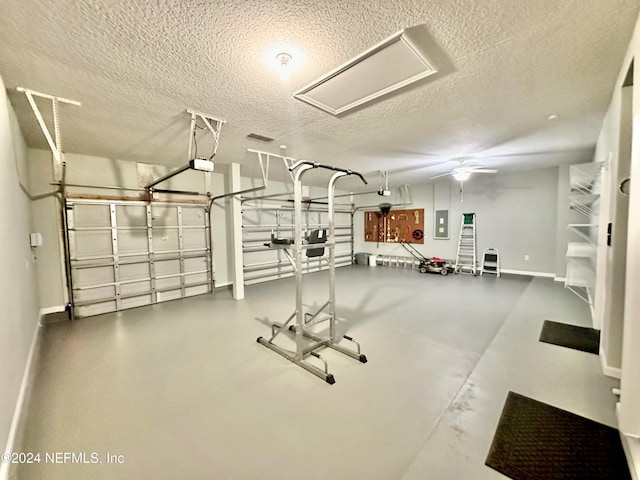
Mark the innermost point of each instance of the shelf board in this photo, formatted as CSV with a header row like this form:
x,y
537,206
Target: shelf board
x,y
580,250
584,231
583,176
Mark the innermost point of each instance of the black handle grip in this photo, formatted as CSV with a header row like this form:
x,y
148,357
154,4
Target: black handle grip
x,y
328,167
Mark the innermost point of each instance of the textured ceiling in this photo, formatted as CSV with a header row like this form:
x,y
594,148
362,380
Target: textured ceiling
x,y
137,66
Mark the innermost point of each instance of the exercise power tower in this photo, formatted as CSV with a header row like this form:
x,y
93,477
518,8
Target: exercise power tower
x,y
307,342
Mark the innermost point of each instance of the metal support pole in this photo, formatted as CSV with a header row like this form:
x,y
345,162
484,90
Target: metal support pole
x,y
331,241
297,255
236,232
192,134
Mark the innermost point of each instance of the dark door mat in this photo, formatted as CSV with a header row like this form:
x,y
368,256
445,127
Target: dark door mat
x,y
571,336
535,441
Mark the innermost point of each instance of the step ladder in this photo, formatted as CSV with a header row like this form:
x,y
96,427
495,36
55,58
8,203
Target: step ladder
x,y
466,256
490,262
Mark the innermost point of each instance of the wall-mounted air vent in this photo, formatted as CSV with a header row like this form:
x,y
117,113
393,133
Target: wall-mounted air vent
x,y
392,64
262,138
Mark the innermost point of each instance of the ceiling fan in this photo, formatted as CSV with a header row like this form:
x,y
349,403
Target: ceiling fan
x,y
463,172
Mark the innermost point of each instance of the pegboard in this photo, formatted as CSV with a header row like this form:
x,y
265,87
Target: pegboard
x,y
398,226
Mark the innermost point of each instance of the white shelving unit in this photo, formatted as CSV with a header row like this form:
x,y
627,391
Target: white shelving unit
x,y
581,255
580,277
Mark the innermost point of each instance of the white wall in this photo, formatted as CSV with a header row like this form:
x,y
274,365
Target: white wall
x,y
515,213
18,285
630,387
46,214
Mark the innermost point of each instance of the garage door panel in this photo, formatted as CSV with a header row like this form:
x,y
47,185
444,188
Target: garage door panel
x,y
86,277
167,267
194,239
91,215
193,217
169,295
164,216
136,301
92,244
96,309
128,289
131,215
199,290
113,266
135,271
165,240
95,294
132,242
168,283
198,264
193,278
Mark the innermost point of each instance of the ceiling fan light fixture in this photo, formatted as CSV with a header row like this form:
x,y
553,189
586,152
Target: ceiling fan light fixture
x,y
284,69
461,176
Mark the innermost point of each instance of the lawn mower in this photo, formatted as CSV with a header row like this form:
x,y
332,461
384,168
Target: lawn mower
x,y
428,265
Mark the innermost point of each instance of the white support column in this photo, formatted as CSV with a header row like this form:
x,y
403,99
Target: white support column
x,y
235,207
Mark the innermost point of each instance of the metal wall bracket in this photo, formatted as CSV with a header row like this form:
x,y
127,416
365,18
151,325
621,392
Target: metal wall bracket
x,y
55,142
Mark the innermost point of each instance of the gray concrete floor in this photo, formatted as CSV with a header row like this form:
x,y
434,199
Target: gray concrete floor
x,y
182,390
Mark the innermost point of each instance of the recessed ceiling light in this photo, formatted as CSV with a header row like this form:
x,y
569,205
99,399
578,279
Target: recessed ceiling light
x,y
553,116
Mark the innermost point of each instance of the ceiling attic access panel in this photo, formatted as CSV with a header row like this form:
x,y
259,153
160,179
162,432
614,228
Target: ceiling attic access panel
x,y
394,63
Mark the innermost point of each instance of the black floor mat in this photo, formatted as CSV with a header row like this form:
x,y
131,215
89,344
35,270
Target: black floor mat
x,y
571,336
535,441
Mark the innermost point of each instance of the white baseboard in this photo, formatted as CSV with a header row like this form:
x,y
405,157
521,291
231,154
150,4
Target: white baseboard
x,y
48,310
606,369
20,402
531,274
631,447
560,279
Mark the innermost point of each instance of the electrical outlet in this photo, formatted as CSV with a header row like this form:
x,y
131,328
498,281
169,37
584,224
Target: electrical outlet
x,y
526,258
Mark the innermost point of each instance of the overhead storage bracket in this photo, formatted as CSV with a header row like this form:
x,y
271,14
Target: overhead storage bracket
x,y
59,175
213,124
55,142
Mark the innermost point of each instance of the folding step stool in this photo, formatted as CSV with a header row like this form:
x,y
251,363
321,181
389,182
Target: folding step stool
x,y
490,262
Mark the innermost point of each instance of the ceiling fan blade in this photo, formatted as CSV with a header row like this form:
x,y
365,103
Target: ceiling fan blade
x,y
485,170
443,175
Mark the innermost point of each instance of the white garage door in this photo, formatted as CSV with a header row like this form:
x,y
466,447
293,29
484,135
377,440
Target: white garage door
x,y
127,254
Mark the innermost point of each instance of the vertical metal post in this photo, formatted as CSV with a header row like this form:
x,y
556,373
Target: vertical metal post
x,y
297,255
152,267
235,185
67,224
278,252
181,249
331,244
192,133
209,245
116,260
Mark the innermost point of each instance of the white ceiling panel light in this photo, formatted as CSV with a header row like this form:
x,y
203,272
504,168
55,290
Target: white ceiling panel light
x,y
394,63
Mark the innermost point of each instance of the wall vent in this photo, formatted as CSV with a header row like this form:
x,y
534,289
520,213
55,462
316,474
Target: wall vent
x,y
394,63
262,138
